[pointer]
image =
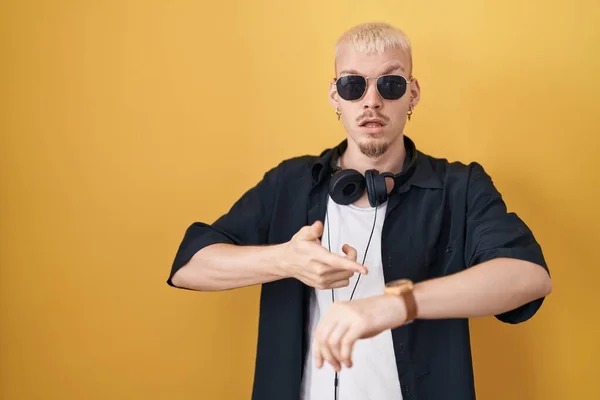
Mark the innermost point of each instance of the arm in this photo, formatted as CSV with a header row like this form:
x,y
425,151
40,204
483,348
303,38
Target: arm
x,y
488,289
224,266
209,253
232,252
505,276
505,272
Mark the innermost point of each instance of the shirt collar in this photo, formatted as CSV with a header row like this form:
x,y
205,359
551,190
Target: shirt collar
x,y
417,169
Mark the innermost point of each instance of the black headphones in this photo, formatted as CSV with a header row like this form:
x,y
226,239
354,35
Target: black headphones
x,y
348,185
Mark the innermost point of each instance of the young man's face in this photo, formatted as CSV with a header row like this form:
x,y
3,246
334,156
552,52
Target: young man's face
x,y
388,115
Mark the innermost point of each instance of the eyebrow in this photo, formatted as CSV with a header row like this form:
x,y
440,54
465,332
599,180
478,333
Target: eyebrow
x,y
385,72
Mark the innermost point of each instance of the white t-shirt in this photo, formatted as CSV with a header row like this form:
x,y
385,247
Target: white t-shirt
x,y
373,374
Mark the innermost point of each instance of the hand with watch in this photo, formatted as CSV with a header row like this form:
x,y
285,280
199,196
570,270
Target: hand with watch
x,y
348,321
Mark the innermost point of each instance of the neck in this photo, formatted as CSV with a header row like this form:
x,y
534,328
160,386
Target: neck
x,y
391,161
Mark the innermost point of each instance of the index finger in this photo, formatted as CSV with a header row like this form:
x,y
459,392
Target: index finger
x,y
337,261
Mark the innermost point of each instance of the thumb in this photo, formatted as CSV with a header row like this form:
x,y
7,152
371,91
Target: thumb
x,y
317,229
311,232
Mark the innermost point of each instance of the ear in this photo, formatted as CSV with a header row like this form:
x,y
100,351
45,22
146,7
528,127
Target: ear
x,y
415,92
333,95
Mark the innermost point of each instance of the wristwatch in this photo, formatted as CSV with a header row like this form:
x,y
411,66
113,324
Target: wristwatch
x,y
404,288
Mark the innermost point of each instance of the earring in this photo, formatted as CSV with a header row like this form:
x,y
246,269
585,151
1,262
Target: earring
x,y
338,113
410,111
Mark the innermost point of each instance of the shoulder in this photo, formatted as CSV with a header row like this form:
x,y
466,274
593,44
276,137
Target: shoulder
x,y
302,166
453,172
444,166
297,166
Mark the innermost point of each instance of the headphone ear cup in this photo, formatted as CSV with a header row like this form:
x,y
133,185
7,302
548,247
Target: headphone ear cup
x,y
376,188
370,183
346,186
381,191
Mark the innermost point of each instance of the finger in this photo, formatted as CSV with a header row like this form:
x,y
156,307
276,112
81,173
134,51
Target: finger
x,y
339,262
334,343
336,261
325,281
346,344
339,274
328,356
330,271
322,350
317,353
324,277
317,356
317,274
350,252
339,284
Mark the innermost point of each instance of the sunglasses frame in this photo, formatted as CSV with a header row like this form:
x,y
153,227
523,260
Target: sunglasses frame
x,y
367,78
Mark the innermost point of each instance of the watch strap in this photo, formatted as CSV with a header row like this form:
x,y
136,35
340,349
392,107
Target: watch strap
x,y
411,305
404,289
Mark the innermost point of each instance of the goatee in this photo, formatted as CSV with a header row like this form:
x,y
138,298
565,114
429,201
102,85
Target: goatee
x,y
373,149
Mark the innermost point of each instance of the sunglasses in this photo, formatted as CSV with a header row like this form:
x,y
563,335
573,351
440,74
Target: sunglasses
x,y
354,87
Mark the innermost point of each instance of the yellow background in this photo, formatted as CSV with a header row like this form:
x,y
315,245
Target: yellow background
x,y
122,122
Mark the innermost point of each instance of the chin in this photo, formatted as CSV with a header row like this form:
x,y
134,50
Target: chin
x,y
374,147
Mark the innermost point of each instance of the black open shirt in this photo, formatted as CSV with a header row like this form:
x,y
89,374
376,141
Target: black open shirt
x,y
442,217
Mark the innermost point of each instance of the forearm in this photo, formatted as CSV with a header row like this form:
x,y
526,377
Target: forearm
x,y
487,289
224,266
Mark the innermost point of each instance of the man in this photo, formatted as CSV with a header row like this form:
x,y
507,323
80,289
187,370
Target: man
x,y
325,234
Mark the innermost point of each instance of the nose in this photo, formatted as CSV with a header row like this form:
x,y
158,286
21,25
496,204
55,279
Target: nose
x,y
372,98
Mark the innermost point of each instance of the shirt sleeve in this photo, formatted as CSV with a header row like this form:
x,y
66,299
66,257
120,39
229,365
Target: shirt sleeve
x,y
246,223
493,232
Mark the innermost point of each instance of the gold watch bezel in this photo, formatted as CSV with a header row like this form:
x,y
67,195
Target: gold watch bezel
x,y
399,286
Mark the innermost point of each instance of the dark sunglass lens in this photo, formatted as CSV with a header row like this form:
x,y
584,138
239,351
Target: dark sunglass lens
x,y
391,87
351,87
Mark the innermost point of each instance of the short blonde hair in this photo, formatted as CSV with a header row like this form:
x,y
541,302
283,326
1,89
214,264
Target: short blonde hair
x,y
375,37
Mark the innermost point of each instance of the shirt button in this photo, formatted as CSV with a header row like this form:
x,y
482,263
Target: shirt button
x,y
449,249
406,389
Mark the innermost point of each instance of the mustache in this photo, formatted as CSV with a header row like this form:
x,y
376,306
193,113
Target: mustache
x,y
371,114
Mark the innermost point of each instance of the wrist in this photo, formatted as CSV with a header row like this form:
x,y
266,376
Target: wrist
x,y
398,305
391,312
277,258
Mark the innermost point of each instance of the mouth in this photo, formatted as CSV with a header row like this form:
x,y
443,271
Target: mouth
x,y
372,125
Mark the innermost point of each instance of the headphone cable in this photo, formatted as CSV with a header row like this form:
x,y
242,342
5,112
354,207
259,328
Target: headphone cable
x,y
336,379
